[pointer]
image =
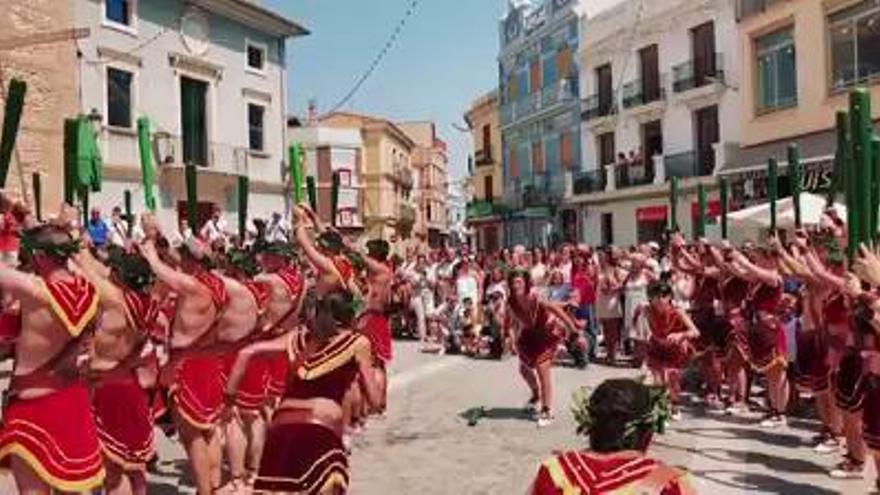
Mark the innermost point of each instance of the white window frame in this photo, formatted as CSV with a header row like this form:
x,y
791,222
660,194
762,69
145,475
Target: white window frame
x,y
105,97
248,44
131,28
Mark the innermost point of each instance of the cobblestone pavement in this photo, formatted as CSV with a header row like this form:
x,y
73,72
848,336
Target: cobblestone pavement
x,y
424,446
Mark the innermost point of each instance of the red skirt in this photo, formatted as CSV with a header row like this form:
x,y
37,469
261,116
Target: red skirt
x,y
276,376
55,435
767,346
713,330
251,394
197,391
125,422
374,325
849,386
302,458
536,346
662,354
811,372
737,341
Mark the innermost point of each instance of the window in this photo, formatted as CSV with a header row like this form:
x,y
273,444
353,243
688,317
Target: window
x,y
534,77
604,85
118,11
256,57
119,97
344,177
487,138
606,148
488,189
255,126
855,44
703,51
513,165
567,150
537,157
777,71
607,229
564,61
649,67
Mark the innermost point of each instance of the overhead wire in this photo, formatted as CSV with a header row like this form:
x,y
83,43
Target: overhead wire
x,y
389,43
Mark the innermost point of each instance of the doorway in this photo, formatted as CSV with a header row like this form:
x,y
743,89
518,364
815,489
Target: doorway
x,y
707,134
193,117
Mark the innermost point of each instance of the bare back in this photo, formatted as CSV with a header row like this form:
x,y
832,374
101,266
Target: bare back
x,y
239,318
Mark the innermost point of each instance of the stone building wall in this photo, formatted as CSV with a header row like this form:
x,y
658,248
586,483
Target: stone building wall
x,y
51,73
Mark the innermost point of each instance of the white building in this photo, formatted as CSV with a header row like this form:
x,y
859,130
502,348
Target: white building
x,y
211,77
456,213
339,150
659,80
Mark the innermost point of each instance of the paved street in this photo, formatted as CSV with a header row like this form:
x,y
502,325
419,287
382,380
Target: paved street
x,y
425,446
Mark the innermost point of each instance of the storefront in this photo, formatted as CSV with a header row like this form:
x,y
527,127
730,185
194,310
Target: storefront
x,y
651,223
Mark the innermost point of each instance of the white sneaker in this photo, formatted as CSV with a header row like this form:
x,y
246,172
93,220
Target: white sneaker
x,y
736,410
776,421
848,470
829,446
675,416
545,419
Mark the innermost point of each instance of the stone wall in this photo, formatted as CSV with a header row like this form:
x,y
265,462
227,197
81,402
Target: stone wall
x,y
51,73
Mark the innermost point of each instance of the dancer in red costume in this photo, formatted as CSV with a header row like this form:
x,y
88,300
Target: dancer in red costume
x,y
48,437
120,350
304,452
373,322
671,344
620,419
536,342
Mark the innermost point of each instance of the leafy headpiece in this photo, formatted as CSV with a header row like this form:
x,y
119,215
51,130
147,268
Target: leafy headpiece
x,y
331,241
132,270
34,241
378,249
653,419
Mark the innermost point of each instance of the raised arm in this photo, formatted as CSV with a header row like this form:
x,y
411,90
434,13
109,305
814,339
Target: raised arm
x,y
755,272
236,373
177,281
318,260
98,275
559,312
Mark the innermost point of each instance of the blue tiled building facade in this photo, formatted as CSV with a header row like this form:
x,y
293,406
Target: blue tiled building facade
x,y
540,118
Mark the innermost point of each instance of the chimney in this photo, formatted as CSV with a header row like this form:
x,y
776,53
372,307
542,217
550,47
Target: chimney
x,y
313,111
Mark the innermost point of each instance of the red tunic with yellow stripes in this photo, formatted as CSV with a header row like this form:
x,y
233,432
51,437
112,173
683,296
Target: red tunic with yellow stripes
x,y
307,456
767,337
252,394
537,342
197,391
122,408
661,352
55,434
586,473
277,364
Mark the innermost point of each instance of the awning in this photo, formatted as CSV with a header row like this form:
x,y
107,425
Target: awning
x,y
652,213
812,207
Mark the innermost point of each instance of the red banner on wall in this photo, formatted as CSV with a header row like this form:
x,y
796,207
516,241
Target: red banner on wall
x,y
652,213
713,209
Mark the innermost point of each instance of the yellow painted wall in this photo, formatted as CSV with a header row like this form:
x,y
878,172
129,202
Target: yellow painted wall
x,y
816,103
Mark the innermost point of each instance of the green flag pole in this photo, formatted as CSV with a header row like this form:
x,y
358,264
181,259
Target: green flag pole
x,y
795,174
129,215
11,122
84,201
860,154
722,192
700,231
772,191
192,196
313,196
875,189
38,195
673,204
334,198
243,186
843,159
146,156
296,172
71,133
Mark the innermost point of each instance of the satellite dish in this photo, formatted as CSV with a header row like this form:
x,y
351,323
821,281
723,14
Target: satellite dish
x,y
195,31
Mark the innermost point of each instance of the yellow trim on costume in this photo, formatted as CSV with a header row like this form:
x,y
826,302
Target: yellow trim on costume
x,y
73,329
178,408
331,362
779,359
560,479
88,484
119,461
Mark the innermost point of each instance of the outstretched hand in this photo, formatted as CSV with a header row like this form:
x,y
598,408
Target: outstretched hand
x,y
867,265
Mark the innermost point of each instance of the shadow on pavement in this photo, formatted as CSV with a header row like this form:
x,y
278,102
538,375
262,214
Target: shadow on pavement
x,y
475,414
764,436
772,462
763,482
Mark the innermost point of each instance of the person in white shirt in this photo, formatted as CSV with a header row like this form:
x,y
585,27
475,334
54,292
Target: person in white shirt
x,y
214,229
277,230
118,228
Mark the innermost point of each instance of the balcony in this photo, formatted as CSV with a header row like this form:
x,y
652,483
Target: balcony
x,y
749,8
550,97
480,209
402,176
687,76
636,94
595,107
588,182
484,157
690,164
632,175
170,151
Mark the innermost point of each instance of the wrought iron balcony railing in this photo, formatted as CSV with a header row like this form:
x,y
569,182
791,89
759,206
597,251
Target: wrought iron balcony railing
x,y
595,106
588,182
690,164
689,75
637,93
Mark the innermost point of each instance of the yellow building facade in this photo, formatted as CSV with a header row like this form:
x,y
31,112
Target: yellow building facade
x,y
800,59
487,176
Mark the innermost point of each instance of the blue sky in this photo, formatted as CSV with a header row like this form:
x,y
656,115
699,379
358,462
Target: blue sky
x,y
444,59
